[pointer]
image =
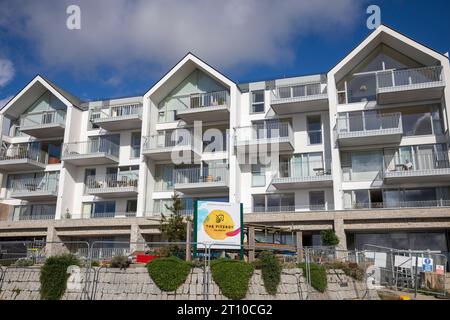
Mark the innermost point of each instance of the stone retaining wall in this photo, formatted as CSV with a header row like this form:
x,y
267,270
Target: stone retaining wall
x,y
136,284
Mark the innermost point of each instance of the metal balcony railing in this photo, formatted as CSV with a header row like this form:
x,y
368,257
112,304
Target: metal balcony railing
x,y
111,181
298,92
415,78
369,125
20,152
290,208
304,170
42,118
90,148
271,131
45,184
34,212
202,100
201,175
418,164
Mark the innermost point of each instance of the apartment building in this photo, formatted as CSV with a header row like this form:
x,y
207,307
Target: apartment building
x,y
362,150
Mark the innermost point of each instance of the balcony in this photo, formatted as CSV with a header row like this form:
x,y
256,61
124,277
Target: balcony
x,y
201,180
21,158
394,204
420,168
290,208
303,175
35,189
276,135
207,107
125,117
93,152
171,145
299,98
43,125
112,185
410,85
369,129
34,213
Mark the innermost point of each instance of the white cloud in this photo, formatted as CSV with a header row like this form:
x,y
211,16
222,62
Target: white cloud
x,y
6,72
227,34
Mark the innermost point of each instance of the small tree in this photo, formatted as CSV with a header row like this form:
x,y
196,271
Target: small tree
x,y
329,238
174,225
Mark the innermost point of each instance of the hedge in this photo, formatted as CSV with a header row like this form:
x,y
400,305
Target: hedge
x,y
232,277
54,276
318,276
271,271
350,269
168,273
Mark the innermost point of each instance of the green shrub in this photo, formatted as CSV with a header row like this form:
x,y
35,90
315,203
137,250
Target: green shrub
x,y
350,269
271,271
232,277
95,263
120,262
318,276
24,262
329,238
54,276
168,273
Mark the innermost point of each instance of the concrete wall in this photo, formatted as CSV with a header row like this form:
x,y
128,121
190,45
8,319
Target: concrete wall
x,y
136,284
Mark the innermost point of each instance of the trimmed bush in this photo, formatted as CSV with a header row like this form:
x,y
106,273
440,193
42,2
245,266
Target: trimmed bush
x,y
54,276
329,238
318,276
24,262
271,271
168,273
232,277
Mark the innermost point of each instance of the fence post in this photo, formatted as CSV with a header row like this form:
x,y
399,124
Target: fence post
x,y
188,239
299,241
251,242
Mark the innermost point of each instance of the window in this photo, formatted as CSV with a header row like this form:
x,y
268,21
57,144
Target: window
x,y
317,200
314,129
135,144
259,203
417,121
258,175
101,209
164,177
257,102
274,202
131,206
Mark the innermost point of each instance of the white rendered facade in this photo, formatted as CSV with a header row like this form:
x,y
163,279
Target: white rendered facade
x,y
363,148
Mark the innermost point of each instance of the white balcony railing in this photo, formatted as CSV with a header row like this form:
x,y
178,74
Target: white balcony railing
x,y
91,148
201,175
409,78
42,118
401,204
298,92
369,125
272,132
290,208
111,181
121,112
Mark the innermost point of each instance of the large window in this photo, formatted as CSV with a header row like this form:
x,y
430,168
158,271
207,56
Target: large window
x,y
317,200
135,144
274,202
258,175
257,105
362,166
100,209
314,129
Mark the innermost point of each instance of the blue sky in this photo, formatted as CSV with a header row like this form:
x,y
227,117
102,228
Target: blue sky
x,y
124,46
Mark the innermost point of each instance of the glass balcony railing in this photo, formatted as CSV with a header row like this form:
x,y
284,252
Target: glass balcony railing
x,y
45,184
171,139
414,78
113,181
304,170
369,125
298,92
418,164
201,175
272,132
21,152
394,204
42,118
122,111
91,148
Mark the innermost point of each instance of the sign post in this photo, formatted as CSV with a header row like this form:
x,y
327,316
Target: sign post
x,y
218,225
